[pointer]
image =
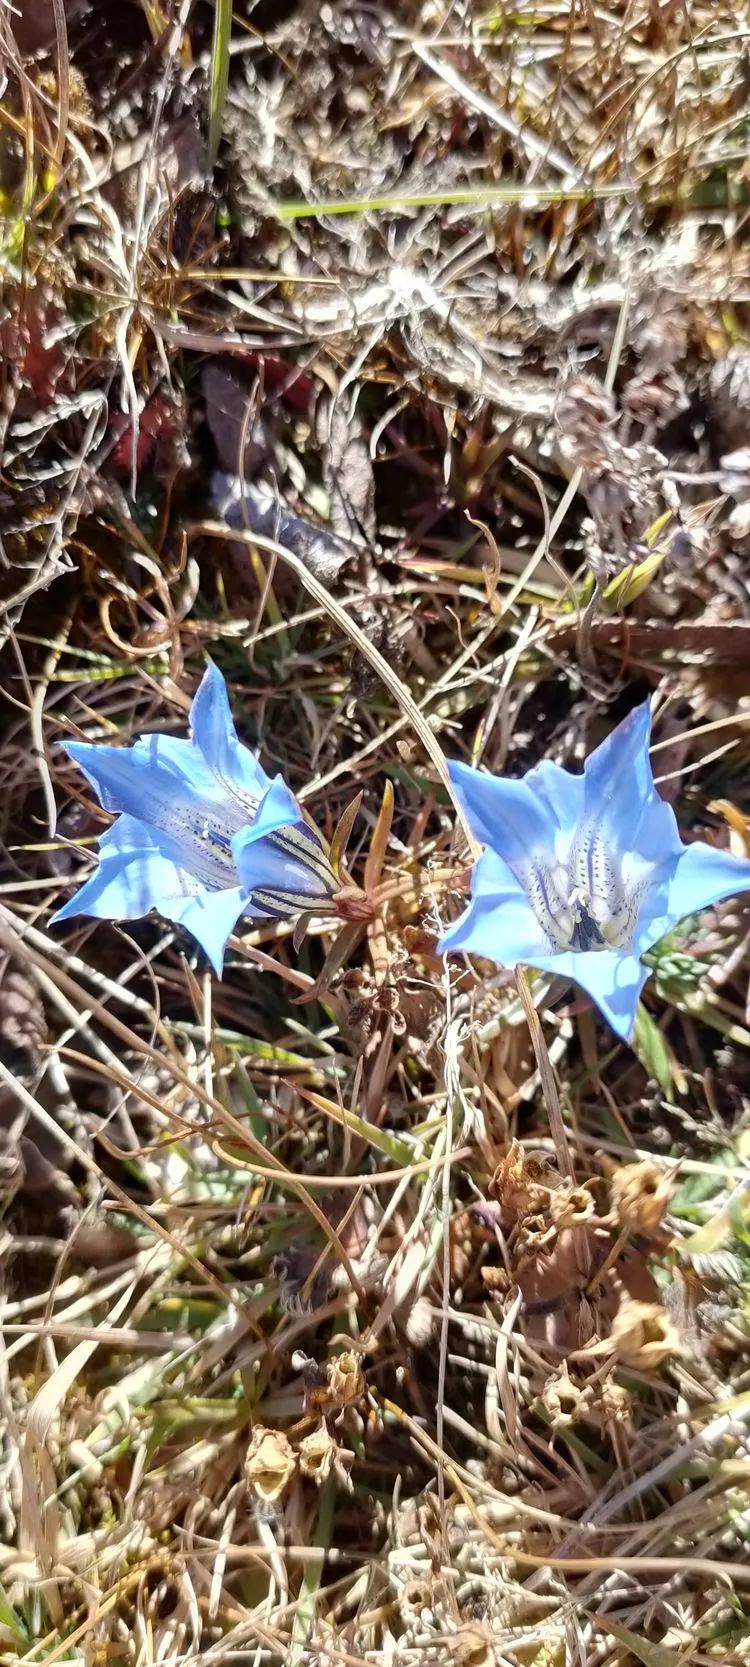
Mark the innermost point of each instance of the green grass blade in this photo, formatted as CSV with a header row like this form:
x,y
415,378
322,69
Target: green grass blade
x,y
482,196
11,1623
219,75
304,1619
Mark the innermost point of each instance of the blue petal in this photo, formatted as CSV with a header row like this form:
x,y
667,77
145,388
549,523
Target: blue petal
x,y
213,729
160,779
499,922
210,917
697,878
620,797
294,865
278,809
505,815
561,791
139,870
612,980
137,865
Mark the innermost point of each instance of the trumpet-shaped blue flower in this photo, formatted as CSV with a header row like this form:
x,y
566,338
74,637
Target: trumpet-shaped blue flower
x,y
583,873
202,835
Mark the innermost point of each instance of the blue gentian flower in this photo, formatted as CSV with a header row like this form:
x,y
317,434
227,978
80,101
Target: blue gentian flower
x,y
202,834
583,873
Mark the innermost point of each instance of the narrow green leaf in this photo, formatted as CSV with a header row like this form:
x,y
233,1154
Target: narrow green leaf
x,y
654,1055
481,196
9,1622
341,836
652,1655
308,1596
398,1151
219,75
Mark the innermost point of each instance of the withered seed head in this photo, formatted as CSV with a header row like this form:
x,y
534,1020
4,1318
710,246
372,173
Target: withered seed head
x,y
316,1455
564,1400
270,1463
640,1195
320,1457
643,1336
346,1382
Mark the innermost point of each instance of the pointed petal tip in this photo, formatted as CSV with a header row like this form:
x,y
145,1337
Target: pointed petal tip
x,y
65,912
450,941
213,675
212,687
632,732
79,751
701,876
215,957
613,980
623,1024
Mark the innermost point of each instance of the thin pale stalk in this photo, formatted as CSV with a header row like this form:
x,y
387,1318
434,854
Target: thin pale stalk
x,y
547,1075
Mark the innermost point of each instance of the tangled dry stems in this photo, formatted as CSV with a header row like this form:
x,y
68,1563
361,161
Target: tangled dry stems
x,y
312,1351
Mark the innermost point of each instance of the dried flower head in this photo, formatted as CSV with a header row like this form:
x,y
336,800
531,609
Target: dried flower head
x,y
624,495
565,1401
518,1184
655,397
534,1237
495,1278
738,529
728,397
320,1457
643,1336
612,1404
346,1382
661,337
640,1195
316,1454
570,1205
734,474
473,1647
419,1322
270,1463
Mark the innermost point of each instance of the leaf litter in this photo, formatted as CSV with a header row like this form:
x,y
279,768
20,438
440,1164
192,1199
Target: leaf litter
x,y
424,412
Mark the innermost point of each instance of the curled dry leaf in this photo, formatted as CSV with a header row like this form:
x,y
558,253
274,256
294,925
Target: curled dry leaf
x,y
259,510
270,1463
